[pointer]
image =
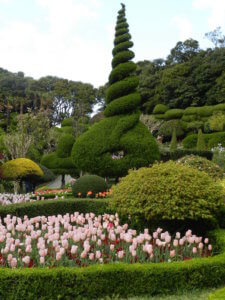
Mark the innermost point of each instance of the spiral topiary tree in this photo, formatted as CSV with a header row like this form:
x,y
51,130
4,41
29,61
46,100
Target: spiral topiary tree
x,y
120,141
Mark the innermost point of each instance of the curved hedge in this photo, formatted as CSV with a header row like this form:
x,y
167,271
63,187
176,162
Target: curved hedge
x,y
20,168
121,279
65,145
211,140
120,141
174,114
89,183
160,109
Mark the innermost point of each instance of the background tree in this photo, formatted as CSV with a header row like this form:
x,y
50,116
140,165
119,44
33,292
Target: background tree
x,y
119,141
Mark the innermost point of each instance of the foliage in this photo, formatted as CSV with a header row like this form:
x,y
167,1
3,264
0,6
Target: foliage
x,y
20,168
202,164
200,141
65,145
173,144
218,294
48,175
89,183
166,129
167,155
217,121
219,156
160,109
211,140
167,191
174,114
195,126
120,141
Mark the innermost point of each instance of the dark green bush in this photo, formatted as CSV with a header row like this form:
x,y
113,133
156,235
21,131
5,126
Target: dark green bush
x,y
65,145
122,71
67,130
168,191
211,140
67,122
55,207
89,183
202,164
195,125
122,88
121,31
201,146
48,175
174,114
122,38
160,116
167,155
122,57
191,111
121,47
219,107
160,109
189,118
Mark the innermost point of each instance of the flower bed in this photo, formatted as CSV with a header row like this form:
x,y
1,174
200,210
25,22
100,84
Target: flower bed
x,y
52,194
6,199
78,240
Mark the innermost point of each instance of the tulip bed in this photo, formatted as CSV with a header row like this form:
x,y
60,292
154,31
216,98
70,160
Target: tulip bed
x,y
80,240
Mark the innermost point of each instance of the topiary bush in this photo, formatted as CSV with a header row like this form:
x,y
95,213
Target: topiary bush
x,y
20,168
119,141
89,183
67,122
160,109
211,140
166,128
48,175
174,114
202,164
168,192
65,145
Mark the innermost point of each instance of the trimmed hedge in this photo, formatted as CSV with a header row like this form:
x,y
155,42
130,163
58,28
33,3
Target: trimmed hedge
x,y
167,155
121,47
122,71
160,109
122,57
89,183
211,140
55,207
121,279
174,114
65,145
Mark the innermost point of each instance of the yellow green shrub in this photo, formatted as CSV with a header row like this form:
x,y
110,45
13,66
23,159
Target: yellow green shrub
x,y
20,168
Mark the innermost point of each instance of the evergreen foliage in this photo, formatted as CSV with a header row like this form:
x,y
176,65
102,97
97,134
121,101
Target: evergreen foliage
x,y
120,141
89,183
200,142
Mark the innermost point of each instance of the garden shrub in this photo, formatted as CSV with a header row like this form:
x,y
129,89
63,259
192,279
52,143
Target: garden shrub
x,y
195,126
160,109
217,122
173,143
89,183
167,155
120,141
48,175
67,122
67,130
217,295
65,145
211,140
20,168
167,128
202,164
174,114
160,116
200,141
168,191
189,118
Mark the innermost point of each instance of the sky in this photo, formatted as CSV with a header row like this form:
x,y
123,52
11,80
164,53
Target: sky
x,y
73,39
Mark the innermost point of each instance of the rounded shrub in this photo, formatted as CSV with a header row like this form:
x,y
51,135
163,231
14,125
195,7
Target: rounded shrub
x,y
20,168
89,183
67,122
48,175
160,109
168,191
202,164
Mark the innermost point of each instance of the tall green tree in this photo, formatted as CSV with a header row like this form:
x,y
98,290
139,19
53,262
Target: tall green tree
x,y
119,141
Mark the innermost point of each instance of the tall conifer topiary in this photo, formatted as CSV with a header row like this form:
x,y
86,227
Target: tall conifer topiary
x,y
201,142
120,141
173,143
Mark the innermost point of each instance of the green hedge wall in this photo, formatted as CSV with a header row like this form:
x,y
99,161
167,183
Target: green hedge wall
x,y
211,140
114,279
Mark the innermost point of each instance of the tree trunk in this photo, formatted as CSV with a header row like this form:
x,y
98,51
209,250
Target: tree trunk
x,y
63,181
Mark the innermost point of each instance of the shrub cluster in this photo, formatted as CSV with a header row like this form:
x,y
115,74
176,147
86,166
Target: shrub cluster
x,y
167,155
211,140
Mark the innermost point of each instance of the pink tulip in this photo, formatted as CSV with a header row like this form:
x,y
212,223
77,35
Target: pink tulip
x,y
112,247
178,235
98,254
42,260
194,250
210,247
58,256
26,259
83,254
74,249
13,262
175,243
91,256
200,246
172,253
206,240
121,254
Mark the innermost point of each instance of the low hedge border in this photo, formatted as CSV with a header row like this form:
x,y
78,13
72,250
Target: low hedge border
x,y
121,279
55,207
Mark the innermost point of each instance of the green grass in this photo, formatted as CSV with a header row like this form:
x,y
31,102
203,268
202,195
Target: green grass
x,y
188,295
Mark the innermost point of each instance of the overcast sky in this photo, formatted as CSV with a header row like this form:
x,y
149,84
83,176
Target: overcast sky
x,y
73,39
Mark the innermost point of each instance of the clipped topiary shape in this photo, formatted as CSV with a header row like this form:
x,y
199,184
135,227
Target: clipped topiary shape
x,y
65,145
202,164
20,168
160,109
120,141
89,183
48,175
167,191
200,142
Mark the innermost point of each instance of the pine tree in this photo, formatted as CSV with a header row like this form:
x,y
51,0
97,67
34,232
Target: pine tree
x,y
120,141
201,142
173,144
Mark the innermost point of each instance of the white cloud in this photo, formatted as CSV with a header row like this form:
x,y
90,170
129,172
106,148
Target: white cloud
x,y
217,11
61,50
184,26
